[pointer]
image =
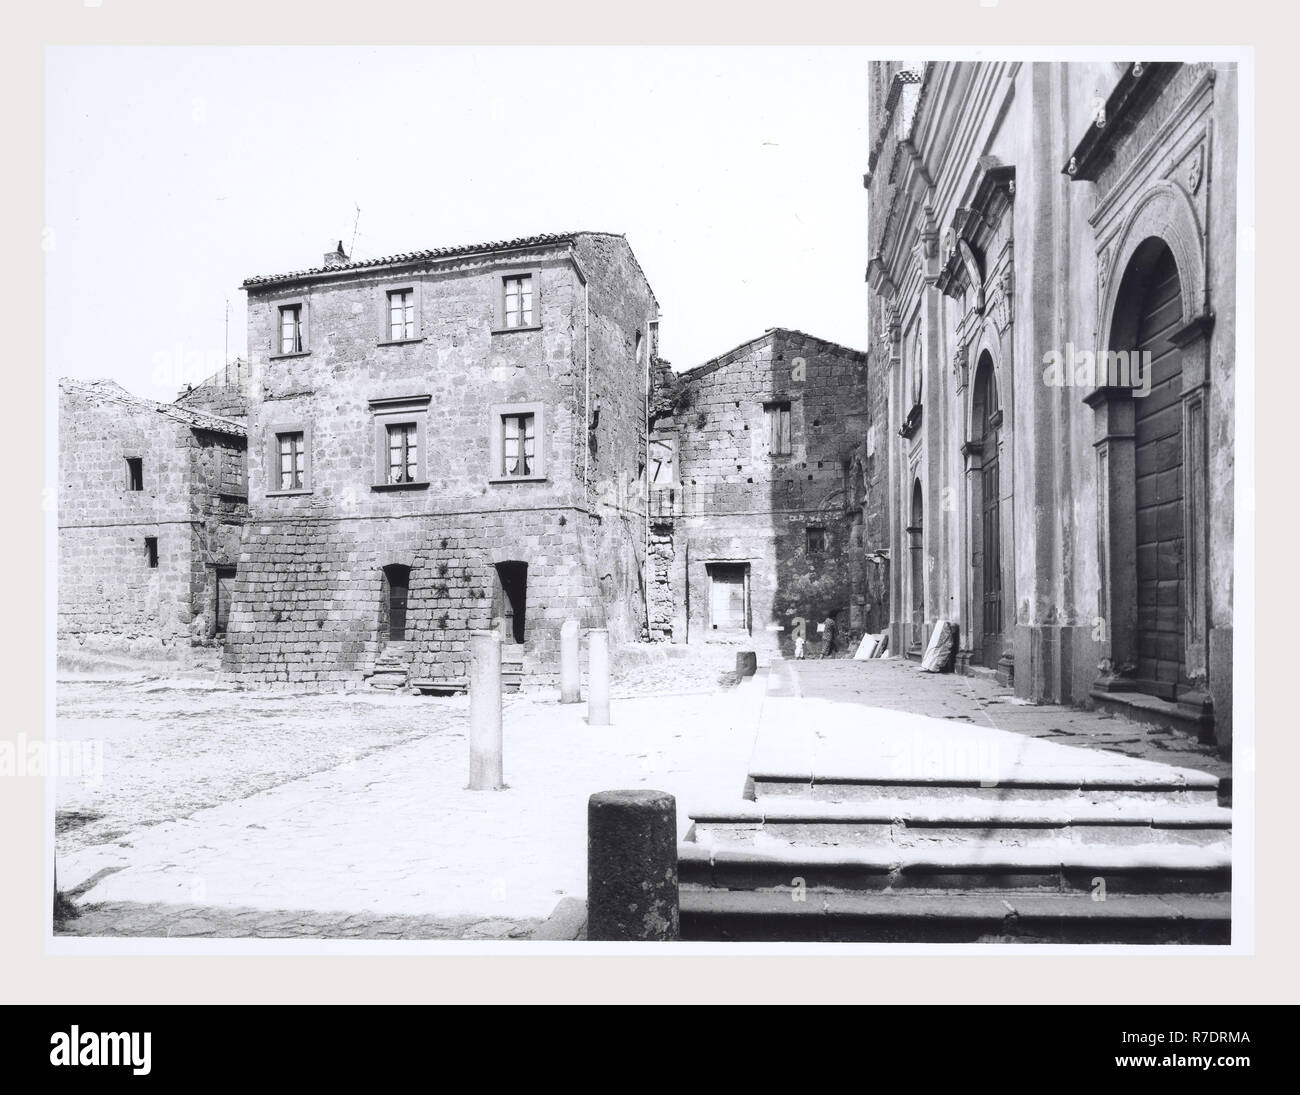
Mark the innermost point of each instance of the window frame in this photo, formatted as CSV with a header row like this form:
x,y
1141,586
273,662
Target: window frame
x,y
151,552
402,410
304,319
823,532
271,468
496,442
385,292
130,475
499,299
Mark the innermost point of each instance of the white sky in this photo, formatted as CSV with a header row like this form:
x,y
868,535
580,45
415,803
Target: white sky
x,y
173,173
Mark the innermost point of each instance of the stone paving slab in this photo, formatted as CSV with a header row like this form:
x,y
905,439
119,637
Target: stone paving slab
x,y
898,684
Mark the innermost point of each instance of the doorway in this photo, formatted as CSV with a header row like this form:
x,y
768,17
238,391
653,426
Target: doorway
x,y
1159,638
225,583
916,551
397,583
510,599
987,562
728,597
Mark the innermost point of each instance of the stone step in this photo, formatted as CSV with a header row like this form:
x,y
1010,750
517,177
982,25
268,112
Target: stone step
x,y
1128,868
960,821
1185,787
953,917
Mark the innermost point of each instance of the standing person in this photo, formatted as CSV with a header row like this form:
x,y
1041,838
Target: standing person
x,y
800,634
828,631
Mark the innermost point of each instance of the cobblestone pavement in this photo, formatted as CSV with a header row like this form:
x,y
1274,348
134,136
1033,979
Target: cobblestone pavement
x,y
899,685
161,920
145,750
149,747
222,814
286,839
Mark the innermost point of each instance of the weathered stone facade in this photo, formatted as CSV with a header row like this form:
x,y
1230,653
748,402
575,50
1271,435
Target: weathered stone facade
x,y
142,547
759,493
469,543
1071,515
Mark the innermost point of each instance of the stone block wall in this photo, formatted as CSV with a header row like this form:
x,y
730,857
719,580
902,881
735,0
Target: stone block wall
x,y
319,554
739,502
109,598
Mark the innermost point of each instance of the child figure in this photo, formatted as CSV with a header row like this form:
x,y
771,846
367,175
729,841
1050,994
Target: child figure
x,y
799,633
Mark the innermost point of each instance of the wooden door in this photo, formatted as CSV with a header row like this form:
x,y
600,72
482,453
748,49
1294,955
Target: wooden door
x,y
1159,640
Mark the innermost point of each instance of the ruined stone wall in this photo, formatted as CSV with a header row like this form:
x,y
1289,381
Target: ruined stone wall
x,y
622,311
109,597
738,502
225,393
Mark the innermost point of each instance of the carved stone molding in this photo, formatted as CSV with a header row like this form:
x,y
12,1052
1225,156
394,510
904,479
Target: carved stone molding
x,y
1195,169
961,363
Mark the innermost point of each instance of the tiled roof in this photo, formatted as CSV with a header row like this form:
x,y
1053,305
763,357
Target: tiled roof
x,y
419,256
110,391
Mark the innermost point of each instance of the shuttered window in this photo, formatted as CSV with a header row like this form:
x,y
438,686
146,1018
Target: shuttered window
x,y
778,425
403,453
293,461
401,314
518,309
291,329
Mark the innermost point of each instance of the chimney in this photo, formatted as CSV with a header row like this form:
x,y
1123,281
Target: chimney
x,y
337,257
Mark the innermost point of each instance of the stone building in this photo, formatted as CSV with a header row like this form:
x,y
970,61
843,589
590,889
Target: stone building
x,y
151,501
1052,297
758,489
440,441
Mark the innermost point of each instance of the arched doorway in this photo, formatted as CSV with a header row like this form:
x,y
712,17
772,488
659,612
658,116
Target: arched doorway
x,y
1149,310
397,585
916,551
986,418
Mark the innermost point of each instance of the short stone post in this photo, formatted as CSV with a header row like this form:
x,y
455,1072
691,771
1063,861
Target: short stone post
x,y
570,669
746,663
485,771
632,867
598,677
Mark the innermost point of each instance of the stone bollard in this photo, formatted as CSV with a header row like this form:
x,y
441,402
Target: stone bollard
x,y
570,668
598,677
746,663
632,867
485,771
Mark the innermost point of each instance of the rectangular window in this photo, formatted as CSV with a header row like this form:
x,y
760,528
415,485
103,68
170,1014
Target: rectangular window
x,y
291,329
134,473
151,551
293,461
778,425
403,453
401,314
816,541
518,304
518,445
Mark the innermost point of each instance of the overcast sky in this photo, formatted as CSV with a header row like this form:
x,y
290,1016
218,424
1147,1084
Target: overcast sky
x,y
174,173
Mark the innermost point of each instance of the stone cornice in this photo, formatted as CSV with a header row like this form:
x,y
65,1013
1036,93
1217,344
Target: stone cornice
x,y
1141,83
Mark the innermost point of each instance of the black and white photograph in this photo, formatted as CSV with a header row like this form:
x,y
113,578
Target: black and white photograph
x,y
521,498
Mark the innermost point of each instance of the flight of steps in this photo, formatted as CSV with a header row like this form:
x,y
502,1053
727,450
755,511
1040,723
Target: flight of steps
x,y
1047,859
512,667
392,669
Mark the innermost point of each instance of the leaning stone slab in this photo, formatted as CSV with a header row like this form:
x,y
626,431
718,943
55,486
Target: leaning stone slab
x,y
938,655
